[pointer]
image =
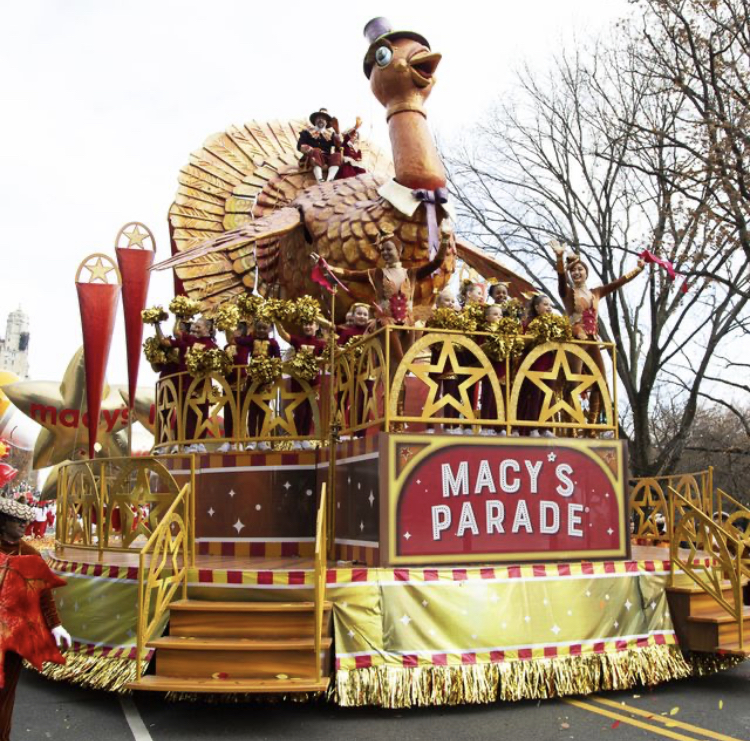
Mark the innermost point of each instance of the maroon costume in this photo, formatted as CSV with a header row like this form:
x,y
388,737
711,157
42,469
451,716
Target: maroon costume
x,y
531,397
351,155
256,348
303,415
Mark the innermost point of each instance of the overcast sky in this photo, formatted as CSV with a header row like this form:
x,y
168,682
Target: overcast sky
x,y
102,102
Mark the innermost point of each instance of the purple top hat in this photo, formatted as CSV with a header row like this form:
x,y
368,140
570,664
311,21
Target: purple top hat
x,y
380,29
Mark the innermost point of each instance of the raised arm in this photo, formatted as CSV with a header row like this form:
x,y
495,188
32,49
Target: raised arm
x,y
562,280
446,233
603,291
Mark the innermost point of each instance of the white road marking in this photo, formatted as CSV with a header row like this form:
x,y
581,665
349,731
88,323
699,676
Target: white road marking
x,y
134,720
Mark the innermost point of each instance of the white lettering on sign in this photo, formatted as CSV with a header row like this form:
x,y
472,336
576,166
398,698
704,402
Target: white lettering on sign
x,y
507,486
565,488
522,519
467,521
484,479
574,519
547,511
441,520
458,484
495,512
534,469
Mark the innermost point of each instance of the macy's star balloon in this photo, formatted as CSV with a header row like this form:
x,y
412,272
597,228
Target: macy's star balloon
x,y
15,429
60,408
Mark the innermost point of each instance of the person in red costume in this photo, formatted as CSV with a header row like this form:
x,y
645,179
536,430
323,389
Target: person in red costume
x,y
257,345
30,627
582,306
361,322
238,350
531,396
308,341
352,154
320,145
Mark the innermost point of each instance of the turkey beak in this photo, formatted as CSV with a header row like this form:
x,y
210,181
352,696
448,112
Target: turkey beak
x,y
422,67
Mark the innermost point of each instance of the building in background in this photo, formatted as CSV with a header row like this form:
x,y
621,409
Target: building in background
x,y
14,348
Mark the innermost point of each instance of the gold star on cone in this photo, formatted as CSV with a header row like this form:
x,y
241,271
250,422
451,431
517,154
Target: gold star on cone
x,y
135,237
99,271
59,408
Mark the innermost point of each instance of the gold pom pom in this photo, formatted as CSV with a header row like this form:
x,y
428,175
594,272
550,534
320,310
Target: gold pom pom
x,y
155,315
512,308
505,341
184,307
551,328
306,310
249,304
227,318
445,319
264,371
471,317
157,354
304,365
201,362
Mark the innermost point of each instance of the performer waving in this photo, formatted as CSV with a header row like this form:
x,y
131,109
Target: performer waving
x,y
582,306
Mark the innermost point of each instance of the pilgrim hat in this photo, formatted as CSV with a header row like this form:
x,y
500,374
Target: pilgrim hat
x,y
322,112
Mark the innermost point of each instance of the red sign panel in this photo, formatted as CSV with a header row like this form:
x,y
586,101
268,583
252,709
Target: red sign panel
x,y
505,500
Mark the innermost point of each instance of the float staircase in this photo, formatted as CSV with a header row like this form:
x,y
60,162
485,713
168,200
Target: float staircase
x,y
241,647
702,624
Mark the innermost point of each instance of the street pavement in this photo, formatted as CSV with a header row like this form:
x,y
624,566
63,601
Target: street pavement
x,y
715,708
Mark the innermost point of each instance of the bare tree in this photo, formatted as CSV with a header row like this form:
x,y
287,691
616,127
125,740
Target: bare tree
x,y
586,155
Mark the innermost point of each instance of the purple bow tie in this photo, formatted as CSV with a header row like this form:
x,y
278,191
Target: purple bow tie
x,y
431,198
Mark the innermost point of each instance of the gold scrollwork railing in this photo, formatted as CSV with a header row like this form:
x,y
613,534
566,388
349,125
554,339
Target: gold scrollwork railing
x,y
321,548
697,533
113,504
557,388
189,409
649,501
458,385
162,570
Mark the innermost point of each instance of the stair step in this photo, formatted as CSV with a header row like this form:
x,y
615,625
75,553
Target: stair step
x,y
188,605
189,643
733,647
693,588
220,686
719,616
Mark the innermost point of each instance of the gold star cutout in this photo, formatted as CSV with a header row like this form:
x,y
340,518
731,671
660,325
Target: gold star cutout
x,y
448,362
135,236
548,381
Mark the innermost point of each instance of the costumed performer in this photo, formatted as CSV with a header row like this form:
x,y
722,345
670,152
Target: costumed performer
x,y
582,307
238,351
493,313
258,346
309,342
351,153
394,286
361,323
319,145
447,379
30,627
531,397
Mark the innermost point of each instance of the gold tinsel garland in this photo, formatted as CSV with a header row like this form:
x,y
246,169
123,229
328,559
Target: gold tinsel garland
x,y
154,315
92,672
157,354
304,365
505,340
227,318
201,362
551,328
184,307
399,687
264,371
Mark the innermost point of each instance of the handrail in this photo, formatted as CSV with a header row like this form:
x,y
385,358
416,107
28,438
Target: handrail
x,y
168,550
724,549
320,578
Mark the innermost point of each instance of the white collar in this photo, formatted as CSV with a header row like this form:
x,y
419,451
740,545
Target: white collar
x,y
404,200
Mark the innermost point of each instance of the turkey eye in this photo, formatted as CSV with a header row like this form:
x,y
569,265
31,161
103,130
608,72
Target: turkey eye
x,y
383,56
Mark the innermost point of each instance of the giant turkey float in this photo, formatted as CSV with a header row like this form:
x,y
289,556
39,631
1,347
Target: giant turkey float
x,y
378,516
